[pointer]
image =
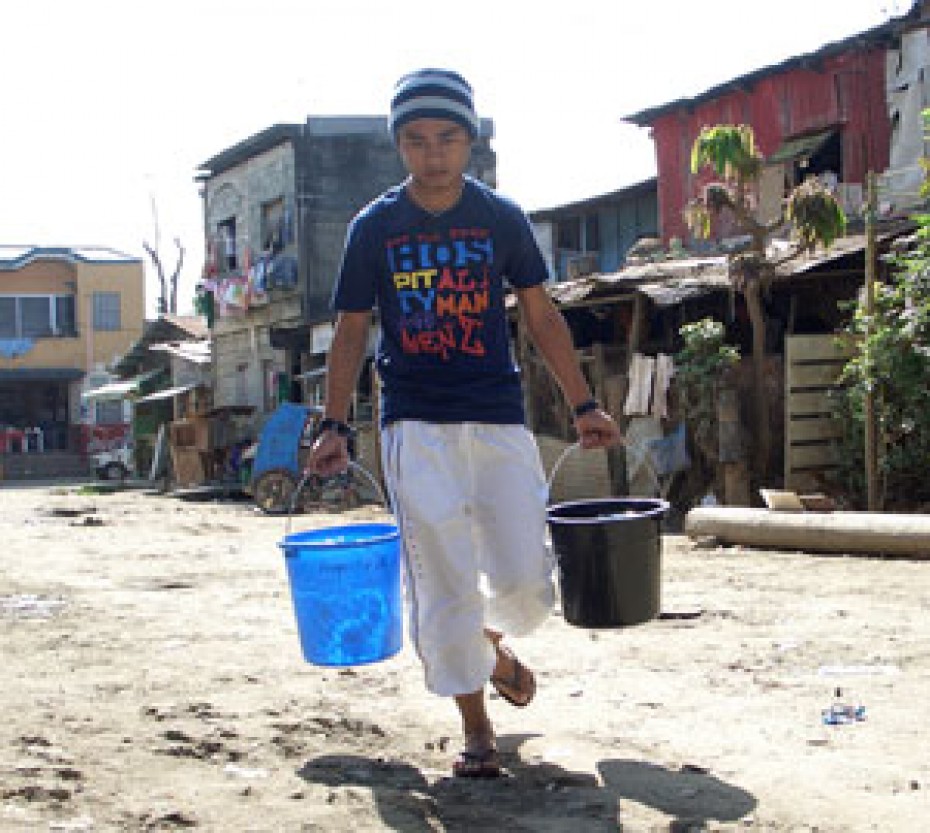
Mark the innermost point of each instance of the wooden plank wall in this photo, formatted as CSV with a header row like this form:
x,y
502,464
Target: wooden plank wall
x,y
813,364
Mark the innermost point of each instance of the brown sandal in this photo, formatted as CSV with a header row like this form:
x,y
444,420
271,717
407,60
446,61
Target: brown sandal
x,y
478,758
470,764
520,687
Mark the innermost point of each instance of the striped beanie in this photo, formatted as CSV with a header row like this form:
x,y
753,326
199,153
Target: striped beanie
x,y
433,94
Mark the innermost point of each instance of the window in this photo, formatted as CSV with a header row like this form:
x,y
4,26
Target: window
x,y
273,226
592,233
65,321
227,235
36,316
106,311
8,327
570,234
110,412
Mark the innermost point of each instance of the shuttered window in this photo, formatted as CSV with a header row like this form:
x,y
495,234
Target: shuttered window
x,y
106,311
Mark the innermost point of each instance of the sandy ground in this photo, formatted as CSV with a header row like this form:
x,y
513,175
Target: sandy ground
x,y
152,680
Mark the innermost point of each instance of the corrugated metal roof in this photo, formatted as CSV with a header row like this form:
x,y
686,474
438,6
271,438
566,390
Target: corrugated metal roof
x,y
800,147
670,282
665,282
168,393
118,390
876,37
165,328
195,325
196,352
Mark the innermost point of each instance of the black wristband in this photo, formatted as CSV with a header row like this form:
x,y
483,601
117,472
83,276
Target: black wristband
x,y
586,408
330,424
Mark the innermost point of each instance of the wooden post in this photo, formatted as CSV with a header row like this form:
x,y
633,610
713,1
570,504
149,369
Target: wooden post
x,y
762,443
637,327
616,457
871,459
730,449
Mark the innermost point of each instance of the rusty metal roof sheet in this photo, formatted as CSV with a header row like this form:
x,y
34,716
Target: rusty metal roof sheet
x,y
665,282
669,282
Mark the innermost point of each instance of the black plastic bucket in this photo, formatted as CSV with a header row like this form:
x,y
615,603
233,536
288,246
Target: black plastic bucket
x,y
609,554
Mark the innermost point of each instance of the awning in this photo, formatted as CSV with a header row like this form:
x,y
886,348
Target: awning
x,y
312,375
670,293
120,389
801,147
196,352
112,390
168,393
41,374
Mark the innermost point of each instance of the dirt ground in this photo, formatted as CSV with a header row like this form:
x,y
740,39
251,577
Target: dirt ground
x,y
152,680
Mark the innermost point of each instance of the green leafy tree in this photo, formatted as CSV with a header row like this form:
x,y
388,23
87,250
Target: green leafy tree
x,y
812,212
892,362
701,366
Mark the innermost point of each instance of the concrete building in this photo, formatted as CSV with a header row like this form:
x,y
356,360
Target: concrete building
x,y
276,209
66,315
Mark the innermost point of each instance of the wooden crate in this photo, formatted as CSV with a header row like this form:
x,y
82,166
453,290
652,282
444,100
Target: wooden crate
x,y
813,364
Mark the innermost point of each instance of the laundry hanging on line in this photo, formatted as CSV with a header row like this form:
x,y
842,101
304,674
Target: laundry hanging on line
x,y
649,380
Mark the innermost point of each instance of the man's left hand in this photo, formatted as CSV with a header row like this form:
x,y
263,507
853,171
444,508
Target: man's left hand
x,y
597,429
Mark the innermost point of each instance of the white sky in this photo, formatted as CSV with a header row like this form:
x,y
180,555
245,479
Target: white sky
x,y
109,105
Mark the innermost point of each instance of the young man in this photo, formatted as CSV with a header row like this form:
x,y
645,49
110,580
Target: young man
x,y
464,474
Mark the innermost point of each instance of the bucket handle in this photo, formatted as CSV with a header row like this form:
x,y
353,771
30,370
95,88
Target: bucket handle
x,y
576,446
307,475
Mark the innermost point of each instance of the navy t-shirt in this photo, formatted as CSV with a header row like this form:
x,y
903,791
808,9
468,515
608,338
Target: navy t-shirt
x,y
438,282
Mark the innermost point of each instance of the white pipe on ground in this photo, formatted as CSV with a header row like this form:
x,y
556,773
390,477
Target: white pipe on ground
x,y
850,532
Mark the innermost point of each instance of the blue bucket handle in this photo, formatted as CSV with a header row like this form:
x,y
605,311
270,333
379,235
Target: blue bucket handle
x,y
307,475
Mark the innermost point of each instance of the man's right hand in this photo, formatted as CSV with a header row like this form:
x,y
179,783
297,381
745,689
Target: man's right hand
x,y
329,455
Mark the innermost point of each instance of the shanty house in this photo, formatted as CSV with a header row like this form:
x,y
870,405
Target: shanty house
x,y
823,113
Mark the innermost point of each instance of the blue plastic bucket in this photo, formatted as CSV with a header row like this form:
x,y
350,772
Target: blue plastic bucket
x,y
345,586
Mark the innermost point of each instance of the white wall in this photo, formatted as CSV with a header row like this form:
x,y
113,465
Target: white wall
x,y
907,80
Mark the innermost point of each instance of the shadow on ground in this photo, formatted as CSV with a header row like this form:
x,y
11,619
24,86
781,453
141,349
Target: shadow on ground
x,y
532,796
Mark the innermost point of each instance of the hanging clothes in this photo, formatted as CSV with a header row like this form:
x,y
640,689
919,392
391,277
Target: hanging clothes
x,y
664,370
669,454
640,385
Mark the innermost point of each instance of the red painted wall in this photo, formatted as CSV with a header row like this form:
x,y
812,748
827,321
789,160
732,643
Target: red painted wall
x,y
847,91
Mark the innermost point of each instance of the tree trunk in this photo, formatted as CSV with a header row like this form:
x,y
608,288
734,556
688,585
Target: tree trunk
x,y
159,270
175,275
762,445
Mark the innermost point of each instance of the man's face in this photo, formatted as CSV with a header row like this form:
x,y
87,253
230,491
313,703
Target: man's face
x,y
435,152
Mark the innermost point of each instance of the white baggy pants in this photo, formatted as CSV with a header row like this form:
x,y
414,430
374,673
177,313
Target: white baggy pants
x,y
470,502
